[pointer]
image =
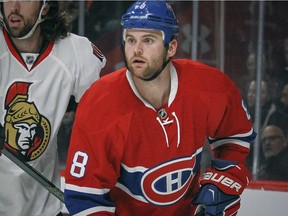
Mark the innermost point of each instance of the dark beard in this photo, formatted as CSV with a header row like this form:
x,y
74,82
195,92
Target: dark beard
x,y
16,33
156,73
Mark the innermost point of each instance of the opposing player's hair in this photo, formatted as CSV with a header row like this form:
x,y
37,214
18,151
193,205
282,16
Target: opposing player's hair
x,y
57,23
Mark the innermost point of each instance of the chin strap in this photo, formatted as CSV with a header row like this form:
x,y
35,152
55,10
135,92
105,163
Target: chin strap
x,y
38,21
155,75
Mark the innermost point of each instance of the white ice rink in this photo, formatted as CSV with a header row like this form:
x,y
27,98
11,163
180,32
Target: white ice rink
x,y
263,203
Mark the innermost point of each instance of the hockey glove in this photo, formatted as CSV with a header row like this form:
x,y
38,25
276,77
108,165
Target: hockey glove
x,y
2,138
221,188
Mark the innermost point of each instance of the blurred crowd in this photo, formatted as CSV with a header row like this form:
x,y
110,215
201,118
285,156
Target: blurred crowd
x,y
273,155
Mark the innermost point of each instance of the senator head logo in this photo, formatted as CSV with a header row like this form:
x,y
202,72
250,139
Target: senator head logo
x,y
27,132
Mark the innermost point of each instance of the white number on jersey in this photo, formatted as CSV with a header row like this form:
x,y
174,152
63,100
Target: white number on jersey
x,y
79,162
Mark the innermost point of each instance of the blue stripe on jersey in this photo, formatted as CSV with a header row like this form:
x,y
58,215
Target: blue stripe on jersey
x,y
86,201
238,139
132,179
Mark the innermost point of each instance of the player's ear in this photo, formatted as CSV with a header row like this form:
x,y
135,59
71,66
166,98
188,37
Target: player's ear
x,y
172,48
46,8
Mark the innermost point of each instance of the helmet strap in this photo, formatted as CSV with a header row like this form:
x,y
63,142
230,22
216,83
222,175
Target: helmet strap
x,y
38,21
155,75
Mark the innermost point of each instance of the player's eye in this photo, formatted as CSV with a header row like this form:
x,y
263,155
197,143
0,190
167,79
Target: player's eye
x,y
148,40
130,40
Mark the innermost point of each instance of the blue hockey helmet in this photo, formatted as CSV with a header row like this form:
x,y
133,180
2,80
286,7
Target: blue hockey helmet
x,y
157,15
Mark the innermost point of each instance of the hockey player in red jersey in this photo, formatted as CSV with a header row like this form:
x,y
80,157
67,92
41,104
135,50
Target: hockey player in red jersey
x,y
41,66
139,132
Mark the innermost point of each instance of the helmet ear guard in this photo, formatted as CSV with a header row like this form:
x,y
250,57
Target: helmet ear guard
x,y
156,15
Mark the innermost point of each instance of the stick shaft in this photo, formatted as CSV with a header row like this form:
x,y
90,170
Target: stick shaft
x,y
34,174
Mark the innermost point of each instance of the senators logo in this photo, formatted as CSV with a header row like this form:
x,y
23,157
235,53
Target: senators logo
x,y
27,132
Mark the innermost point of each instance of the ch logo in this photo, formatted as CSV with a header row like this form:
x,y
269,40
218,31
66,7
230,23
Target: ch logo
x,y
167,183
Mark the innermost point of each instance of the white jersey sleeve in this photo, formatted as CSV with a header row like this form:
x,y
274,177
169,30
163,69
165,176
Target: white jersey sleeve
x,y
89,62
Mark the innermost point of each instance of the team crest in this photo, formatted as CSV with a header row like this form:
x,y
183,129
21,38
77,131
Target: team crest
x,y
162,185
167,183
27,132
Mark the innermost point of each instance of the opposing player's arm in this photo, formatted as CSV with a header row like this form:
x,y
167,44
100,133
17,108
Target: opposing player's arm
x,y
90,61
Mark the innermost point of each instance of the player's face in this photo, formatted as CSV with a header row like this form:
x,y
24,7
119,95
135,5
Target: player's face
x,y
144,51
20,16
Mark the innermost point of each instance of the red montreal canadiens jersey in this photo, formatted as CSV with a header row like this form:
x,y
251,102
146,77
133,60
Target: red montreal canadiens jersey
x,y
126,158
34,94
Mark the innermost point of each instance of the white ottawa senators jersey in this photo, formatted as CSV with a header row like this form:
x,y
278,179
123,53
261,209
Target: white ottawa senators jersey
x,y
131,159
34,94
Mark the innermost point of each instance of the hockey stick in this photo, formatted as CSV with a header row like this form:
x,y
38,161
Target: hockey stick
x,y
35,174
